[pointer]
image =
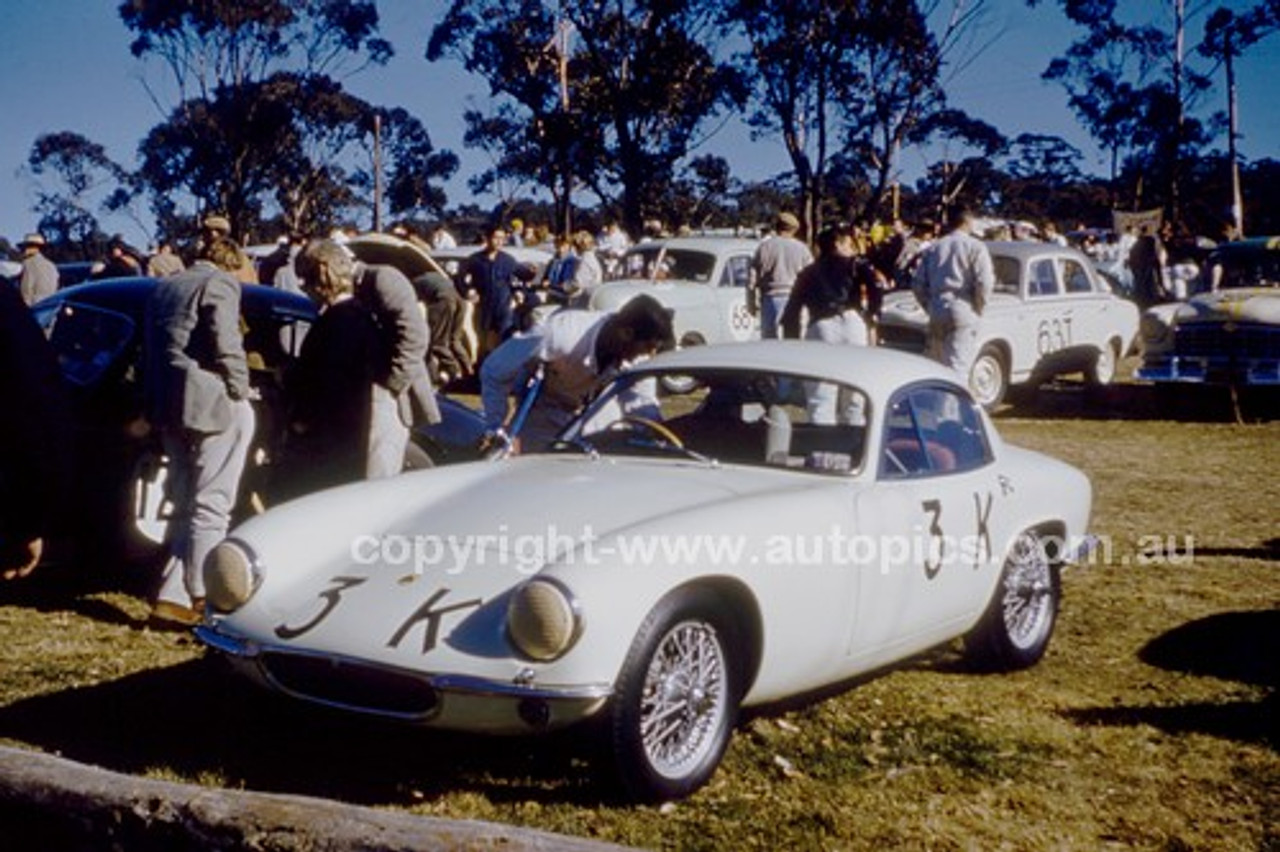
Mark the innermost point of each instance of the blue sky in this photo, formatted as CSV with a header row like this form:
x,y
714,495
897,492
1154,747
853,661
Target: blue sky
x,y
66,66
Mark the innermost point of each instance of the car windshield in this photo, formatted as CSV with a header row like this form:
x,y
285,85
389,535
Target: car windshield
x,y
1236,269
727,417
667,264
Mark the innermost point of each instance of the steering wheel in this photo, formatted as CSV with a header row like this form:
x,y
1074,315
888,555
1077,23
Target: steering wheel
x,y
663,433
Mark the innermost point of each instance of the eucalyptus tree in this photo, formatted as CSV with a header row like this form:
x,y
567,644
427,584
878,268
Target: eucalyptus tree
x,y
846,85
256,118
76,181
607,96
1227,36
1130,83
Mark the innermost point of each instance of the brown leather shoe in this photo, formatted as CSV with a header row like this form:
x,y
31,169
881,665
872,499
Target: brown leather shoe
x,y
167,615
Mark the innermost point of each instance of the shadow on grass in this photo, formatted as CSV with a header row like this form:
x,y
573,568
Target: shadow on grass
x,y
1237,646
1076,400
58,588
196,721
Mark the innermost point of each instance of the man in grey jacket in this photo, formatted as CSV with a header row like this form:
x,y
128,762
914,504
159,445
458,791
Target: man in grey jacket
x,y
953,283
402,391
39,273
197,395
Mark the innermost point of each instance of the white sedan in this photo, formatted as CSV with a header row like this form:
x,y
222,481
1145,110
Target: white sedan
x,y
1052,313
666,564
703,279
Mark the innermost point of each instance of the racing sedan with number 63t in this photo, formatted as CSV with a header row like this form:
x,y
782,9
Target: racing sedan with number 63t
x,y
1051,313
784,521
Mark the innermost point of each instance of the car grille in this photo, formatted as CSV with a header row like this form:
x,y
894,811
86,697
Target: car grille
x,y
901,337
351,685
1213,340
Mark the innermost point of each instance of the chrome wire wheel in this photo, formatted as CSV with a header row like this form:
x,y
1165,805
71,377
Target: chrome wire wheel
x,y
1015,630
684,702
1029,601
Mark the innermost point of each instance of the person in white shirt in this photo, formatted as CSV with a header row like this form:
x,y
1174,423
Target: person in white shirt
x,y
953,283
578,352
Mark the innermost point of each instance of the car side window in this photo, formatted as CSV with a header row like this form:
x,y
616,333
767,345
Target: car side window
x,y
737,272
87,339
1043,280
931,431
1076,278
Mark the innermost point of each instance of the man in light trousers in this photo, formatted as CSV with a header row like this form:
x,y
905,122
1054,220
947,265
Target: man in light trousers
x,y
197,394
953,283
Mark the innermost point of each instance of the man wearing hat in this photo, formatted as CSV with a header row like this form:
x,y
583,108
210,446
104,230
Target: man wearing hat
x,y
777,262
39,275
219,227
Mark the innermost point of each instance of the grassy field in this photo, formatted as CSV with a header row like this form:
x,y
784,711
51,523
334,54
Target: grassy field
x,y
1151,724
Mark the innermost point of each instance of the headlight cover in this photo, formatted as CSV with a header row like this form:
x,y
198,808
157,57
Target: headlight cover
x,y
544,619
231,576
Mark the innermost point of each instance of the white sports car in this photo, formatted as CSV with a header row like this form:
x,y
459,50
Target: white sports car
x,y
703,279
796,517
1052,313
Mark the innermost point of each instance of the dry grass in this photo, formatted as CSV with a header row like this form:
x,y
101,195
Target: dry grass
x,y
1150,725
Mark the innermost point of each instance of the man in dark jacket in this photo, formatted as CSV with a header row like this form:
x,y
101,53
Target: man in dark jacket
x,y
488,278
36,440
402,393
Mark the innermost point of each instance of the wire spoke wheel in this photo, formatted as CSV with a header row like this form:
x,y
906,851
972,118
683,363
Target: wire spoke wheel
x,y
1028,602
1014,632
685,699
676,701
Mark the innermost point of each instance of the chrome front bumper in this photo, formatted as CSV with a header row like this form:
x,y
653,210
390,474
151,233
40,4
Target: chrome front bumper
x,y
449,701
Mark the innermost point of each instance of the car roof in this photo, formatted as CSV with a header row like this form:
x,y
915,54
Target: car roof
x,y
129,296
706,244
876,370
1251,246
1024,249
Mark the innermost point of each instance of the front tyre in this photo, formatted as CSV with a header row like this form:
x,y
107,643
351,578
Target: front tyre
x,y
1103,369
1015,630
677,698
989,378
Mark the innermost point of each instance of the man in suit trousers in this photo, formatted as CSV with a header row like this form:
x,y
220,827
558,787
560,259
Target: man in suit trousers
x,y
402,391
197,393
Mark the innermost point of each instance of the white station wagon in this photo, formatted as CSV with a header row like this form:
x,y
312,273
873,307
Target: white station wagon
x,y
703,279
1051,314
731,545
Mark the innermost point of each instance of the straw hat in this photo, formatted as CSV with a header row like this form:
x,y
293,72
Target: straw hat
x,y
32,240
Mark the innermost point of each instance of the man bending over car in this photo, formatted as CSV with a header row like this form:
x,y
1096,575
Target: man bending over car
x,y
578,352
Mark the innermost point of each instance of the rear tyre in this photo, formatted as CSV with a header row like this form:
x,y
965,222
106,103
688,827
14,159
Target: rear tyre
x,y
677,698
1015,630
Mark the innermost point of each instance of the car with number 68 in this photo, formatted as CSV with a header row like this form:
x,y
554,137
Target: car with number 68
x,y
703,279
784,522
1051,313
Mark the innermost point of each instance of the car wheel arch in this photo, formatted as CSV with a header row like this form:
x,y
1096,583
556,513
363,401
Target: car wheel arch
x,y
689,664
740,600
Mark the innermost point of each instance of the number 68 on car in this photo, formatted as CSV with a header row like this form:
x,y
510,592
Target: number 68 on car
x,y
783,520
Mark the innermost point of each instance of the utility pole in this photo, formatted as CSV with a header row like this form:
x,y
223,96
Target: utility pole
x,y
377,172
561,44
1175,177
1237,199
